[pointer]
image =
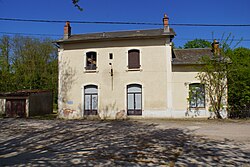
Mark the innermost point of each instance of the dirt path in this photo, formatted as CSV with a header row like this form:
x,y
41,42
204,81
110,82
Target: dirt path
x,y
27,142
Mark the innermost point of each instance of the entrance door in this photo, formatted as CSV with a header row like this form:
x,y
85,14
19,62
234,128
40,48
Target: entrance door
x,y
15,108
134,99
90,100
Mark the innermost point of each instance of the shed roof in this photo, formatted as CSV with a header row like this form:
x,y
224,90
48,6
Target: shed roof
x,y
190,56
21,93
134,34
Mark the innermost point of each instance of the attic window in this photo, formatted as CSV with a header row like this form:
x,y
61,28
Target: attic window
x,y
91,61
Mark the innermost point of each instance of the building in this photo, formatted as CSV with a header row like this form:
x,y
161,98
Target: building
x,y
26,103
128,73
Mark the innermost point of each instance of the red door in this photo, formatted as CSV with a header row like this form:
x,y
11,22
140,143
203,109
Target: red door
x,y
15,108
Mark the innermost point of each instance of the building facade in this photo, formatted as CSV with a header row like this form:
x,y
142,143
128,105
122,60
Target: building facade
x,y
128,74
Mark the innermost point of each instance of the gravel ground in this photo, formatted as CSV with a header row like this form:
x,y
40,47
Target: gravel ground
x,y
32,142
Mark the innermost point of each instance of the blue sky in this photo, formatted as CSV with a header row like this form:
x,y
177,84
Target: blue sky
x,y
179,11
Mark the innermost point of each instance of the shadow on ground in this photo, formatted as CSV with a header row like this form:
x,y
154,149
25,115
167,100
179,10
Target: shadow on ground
x,y
112,143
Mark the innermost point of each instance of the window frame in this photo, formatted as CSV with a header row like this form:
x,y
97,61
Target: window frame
x,y
198,99
91,66
90,111
134,111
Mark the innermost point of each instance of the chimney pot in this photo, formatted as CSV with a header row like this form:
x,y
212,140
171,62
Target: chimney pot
x,y
67,30
165,23
216,47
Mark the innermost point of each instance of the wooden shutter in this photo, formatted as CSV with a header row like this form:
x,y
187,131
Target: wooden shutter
x,y
134,59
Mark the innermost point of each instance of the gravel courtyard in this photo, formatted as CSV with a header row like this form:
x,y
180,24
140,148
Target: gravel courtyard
x,y
32,142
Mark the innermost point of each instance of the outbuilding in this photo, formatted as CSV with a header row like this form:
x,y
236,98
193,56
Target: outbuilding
x,y
26,103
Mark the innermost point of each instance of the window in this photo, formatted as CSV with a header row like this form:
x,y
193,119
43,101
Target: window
x,y
133,59
90,100
196,95
134,99
110,56
91,61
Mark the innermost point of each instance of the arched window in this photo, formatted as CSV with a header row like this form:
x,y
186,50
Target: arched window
x,y
90,100
133,59
91,61
134,99
196,95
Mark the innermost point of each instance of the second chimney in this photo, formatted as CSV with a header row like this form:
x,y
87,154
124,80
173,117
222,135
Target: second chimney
x,y
216,47
67,30
165,23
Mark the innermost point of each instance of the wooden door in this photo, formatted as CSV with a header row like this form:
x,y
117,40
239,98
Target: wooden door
x,y
15,108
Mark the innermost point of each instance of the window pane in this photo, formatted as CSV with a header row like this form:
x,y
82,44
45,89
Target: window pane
x,y
91,89
94,102
200,102
134,88
87,102
138,101
130,101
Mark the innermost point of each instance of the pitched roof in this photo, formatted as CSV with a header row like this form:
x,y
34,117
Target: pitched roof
x,y
190,56
152,33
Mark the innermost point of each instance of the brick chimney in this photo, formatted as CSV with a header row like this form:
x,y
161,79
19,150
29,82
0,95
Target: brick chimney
x,y
165,23
67,30
216,47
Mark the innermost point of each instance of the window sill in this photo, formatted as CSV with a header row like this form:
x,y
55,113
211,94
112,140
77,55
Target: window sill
x,y
197,108
134,69
90,71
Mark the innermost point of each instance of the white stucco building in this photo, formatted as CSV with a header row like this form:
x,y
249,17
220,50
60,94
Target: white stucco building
x,y
128,73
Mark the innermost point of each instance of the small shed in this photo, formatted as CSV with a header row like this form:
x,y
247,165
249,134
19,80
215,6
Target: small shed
x,y
26,103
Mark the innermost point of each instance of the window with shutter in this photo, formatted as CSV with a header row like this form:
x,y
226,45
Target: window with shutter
x,y
133,59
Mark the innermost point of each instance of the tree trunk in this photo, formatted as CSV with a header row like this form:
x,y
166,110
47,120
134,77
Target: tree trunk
x,y
217,113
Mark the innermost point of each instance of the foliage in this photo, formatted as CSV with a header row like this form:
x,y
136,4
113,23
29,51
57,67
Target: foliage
x,y
28,63
214,76
197,43
239,83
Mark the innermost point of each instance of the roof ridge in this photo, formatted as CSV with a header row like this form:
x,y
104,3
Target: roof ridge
x,y
117,31
191,48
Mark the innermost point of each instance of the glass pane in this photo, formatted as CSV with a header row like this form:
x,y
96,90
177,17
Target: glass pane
x,y
91,89
200,103
138,101
87,102
134,88
130,101
94,102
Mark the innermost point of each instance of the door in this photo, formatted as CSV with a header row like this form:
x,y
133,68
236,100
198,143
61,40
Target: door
x,y
15,108
90,100
134,99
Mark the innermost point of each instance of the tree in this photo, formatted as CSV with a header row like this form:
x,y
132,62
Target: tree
x,y
197,43
239,83
28,63
5,73
213,75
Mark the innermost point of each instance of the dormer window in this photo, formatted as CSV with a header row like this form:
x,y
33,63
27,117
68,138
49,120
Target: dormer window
x,y
134,59
91,61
